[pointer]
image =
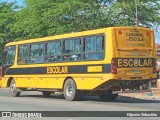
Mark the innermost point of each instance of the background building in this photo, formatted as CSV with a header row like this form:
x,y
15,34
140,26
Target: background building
x,y
158,55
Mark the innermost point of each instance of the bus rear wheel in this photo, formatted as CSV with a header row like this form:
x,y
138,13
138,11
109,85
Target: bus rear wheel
x,y
70,91
13,90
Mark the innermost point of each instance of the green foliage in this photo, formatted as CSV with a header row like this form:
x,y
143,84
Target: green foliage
x,y
7,12
41,18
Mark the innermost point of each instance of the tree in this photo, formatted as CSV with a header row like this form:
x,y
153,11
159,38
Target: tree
x,y
7,11
148,12
50,17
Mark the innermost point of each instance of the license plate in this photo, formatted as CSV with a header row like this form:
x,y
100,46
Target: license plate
x,y
136,71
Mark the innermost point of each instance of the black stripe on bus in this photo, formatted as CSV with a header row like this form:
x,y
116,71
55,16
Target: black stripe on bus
x,y
76,69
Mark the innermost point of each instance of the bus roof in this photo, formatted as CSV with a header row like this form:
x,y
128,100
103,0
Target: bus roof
x,y
70,35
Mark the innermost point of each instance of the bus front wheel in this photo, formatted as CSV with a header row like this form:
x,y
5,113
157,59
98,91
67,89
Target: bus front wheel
x,y
13,90
70,91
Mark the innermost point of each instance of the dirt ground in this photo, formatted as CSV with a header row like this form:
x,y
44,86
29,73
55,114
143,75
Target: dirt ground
x,y
154,95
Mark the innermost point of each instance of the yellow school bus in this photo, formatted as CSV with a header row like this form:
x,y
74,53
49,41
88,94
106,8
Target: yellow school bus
x,y
91,62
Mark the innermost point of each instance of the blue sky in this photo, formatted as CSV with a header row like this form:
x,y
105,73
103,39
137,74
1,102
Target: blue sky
x,y
157,37
21,3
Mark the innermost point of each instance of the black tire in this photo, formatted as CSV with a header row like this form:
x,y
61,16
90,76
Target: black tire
x,y
108,97
13,90
46,93
70,91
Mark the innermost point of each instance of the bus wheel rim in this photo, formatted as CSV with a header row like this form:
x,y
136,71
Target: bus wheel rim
x,y
69,90
13,87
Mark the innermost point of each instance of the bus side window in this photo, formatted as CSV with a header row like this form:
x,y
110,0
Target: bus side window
x,y
72,49
66,57
93,48
53,51
8,55
36,53
23,52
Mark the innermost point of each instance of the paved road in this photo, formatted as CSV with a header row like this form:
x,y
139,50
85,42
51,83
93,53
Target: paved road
x,y
34,101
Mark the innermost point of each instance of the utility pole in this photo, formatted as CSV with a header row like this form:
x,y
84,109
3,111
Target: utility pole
x,y
137,22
